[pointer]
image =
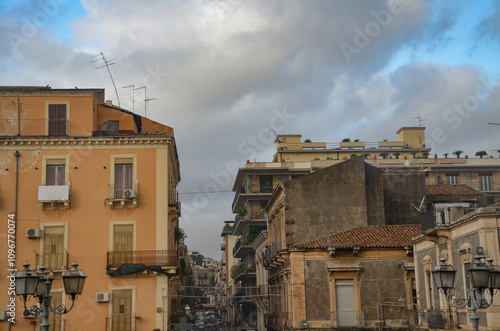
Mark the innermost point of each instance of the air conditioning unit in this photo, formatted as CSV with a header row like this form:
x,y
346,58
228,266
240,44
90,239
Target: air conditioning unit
x,y
102,297
33,233
3,315
27,314
130,194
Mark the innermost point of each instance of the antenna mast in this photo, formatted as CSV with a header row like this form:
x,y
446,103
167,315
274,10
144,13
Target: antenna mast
x,y
146,100
107,64
420,120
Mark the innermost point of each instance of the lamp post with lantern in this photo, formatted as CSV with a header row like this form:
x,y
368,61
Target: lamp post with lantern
x,y
30,282
483,278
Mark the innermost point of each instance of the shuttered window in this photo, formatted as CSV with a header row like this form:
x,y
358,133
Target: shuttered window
x,y
53,253
122,310
57,120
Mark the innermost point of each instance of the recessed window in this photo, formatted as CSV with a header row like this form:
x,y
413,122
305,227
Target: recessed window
x,y
452,178
113,127
485,182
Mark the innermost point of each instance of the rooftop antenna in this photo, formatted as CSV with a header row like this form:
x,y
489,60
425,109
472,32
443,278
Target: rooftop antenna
x,y
107,64
420,120
146,100
133,96
494,123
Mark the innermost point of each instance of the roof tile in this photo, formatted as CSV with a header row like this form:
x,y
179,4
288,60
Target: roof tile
x,y
384,236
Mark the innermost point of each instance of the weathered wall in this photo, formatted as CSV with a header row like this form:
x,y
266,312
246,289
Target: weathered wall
x,y
328,201
401,191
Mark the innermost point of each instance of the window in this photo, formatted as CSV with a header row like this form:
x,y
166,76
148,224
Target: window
x,y
55,170
124,185
266,184
54,255
123,180
57,120
466,266
452,178
122,244
121,319
113,127
485,182
123,236
345,294
56,174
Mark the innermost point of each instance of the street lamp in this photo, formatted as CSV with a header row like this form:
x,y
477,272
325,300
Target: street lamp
x,y
29,282
483,277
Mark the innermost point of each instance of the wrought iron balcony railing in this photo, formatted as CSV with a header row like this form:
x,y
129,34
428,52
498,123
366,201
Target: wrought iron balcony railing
x,y
163,258
34,127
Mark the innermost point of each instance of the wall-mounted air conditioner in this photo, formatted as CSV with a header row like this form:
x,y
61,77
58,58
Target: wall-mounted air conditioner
x,y
129,194
33,233
102,297
3,315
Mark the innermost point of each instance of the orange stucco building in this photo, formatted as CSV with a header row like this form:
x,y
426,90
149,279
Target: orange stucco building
x,y
96,184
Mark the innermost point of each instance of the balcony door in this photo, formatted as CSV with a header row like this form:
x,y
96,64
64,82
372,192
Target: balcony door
x,y
53,250
123,179
57,120
123,243
122,310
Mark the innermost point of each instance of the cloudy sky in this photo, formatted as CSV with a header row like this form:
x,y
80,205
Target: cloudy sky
x,y
226,73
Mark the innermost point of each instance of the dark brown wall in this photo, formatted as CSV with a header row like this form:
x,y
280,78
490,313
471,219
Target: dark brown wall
x,y
347,195
401,191
328,201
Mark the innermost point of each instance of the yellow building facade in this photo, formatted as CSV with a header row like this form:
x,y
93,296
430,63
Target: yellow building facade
x,y
96,184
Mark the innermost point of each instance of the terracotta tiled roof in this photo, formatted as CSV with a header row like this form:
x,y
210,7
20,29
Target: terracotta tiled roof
x,y
383,236
450,190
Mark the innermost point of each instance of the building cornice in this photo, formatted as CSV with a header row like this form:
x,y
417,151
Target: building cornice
x,y
84,141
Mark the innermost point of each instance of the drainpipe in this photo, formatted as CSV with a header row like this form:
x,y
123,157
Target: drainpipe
x,y
16,154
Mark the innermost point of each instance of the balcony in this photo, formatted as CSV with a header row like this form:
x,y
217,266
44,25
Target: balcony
x,y
227,229
243,271
222,247
54,196
118,322
241,248
241,223
119,197
270,252
242,195
32,127
55,261
162,258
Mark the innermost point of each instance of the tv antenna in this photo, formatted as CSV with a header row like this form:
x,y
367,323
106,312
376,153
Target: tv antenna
x,y
494,123
107,64
146,100
420,120
133,96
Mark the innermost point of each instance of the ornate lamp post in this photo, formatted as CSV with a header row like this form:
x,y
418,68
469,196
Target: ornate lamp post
x,y
483,278
38,284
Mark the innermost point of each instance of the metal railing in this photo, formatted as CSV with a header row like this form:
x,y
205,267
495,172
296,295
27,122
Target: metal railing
x,y
270,252
35,127
115,193
164,258
55,261
121,322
